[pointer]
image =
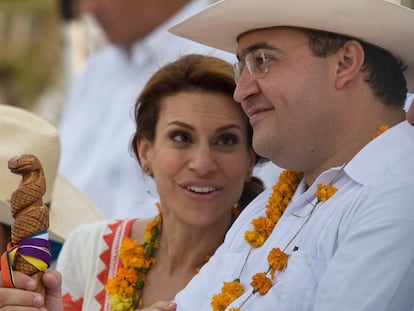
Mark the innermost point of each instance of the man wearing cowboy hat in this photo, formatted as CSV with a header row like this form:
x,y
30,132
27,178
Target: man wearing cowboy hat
x,y
323,84
317,80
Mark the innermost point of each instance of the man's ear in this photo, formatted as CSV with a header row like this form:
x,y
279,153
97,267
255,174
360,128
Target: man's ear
x,y
350,59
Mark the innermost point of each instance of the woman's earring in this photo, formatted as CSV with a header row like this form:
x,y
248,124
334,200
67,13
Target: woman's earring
x,y
235,210
146,168
249,175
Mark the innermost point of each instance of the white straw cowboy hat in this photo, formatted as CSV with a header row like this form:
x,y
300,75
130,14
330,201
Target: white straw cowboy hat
x,y
386,24
23,132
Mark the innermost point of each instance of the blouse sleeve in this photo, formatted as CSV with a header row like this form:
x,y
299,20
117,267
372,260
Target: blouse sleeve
x,y
79,263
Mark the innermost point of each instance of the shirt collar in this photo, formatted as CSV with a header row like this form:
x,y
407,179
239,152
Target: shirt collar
x,y
388,146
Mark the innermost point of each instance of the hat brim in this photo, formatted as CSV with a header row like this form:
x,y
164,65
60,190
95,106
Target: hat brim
x,y
69,208
379,22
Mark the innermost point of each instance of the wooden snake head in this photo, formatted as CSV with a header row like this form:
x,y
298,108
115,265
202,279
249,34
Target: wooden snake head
x,y
25,165
32,186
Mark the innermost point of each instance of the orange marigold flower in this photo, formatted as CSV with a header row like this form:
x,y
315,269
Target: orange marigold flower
x,y
121,284
219,302
264,225
381,130
277,260
229,292
132,255
324,192
130,248
151,230
285,201
261,283
284,189
274,214
291,177
254,238
147,236
233,288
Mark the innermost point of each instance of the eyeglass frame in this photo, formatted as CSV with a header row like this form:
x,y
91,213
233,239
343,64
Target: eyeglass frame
x,y
266,56
253,67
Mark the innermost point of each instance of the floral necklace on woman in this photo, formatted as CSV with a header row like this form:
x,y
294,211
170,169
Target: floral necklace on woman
x,y
263,226
125,289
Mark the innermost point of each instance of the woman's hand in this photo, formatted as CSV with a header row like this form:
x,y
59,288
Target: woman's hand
x,y
23,296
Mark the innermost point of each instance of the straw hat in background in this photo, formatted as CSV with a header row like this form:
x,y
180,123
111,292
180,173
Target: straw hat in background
x,y
22,132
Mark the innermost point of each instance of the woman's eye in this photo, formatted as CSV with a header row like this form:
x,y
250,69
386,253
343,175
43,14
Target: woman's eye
x,y
227,140
180,137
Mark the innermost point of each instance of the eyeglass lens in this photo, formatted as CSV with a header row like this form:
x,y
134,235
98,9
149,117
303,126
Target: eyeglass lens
x,y
256,62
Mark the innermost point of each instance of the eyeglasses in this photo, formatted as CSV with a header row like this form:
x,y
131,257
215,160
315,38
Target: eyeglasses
x,y
257,64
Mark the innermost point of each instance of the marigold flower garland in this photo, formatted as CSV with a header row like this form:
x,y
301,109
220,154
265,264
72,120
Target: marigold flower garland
x,y
263,226
125,289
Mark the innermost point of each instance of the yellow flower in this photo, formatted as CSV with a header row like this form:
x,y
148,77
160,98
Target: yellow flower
x,y
220,301
120,304
324,192
233,288
229,292
254,238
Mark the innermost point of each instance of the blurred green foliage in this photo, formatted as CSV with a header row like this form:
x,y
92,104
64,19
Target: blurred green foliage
x,y
30,49
31,5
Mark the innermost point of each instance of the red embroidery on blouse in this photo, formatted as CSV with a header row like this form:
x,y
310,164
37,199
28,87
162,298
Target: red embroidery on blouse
x,y
71,305
110,257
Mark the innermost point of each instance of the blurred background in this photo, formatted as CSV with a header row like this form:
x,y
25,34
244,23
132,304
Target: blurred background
x,y
43,46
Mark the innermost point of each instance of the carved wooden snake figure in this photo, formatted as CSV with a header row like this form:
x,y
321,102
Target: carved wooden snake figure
x,y
30,215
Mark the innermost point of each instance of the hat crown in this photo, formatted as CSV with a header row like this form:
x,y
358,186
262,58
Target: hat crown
x,y
388,24
25,133
22,132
